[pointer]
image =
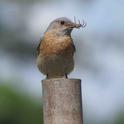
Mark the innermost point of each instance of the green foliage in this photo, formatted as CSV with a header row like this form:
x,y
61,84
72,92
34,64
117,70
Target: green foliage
x,y
18,109
120,119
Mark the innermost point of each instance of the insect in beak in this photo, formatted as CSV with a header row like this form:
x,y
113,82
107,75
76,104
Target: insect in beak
x,y
79,24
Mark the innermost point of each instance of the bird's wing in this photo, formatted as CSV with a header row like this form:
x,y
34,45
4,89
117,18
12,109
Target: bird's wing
x,y
73,46
38,47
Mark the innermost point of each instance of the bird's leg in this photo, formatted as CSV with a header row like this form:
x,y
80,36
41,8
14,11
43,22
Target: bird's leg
x,y
66,76
47,76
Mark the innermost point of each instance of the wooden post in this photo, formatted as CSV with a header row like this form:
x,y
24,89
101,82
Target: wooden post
x,y
62,102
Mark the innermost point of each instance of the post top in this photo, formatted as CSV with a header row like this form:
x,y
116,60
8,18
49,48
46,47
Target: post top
x,y
62,79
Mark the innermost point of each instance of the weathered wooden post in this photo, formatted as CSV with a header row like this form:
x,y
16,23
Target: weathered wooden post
x,y
62,102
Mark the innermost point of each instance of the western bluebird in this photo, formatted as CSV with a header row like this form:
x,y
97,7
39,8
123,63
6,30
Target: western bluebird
x,y
56,49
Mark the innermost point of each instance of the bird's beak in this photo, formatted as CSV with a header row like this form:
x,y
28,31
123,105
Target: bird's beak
x,y
74,25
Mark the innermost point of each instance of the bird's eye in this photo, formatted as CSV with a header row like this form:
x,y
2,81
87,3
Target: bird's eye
x,y
62,22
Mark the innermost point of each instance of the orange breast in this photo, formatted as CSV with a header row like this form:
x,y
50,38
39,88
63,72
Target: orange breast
x,y
53,44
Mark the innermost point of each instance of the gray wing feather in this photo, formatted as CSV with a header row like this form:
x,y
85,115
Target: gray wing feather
x,y
38,47
73,46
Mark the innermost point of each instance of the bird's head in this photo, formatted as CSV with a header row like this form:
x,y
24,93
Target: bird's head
x,y
63,26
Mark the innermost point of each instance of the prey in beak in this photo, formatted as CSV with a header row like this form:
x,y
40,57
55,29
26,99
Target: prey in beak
x,y
77,25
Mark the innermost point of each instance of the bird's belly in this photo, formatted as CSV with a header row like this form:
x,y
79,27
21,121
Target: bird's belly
x,y
55,65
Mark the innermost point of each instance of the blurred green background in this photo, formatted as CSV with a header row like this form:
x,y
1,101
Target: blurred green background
x,y
99,59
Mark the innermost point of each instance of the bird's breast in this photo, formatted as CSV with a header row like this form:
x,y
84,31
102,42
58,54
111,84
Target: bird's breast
x,y
52,44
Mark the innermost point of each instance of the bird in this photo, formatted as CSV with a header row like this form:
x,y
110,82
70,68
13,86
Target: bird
x,y
56,49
